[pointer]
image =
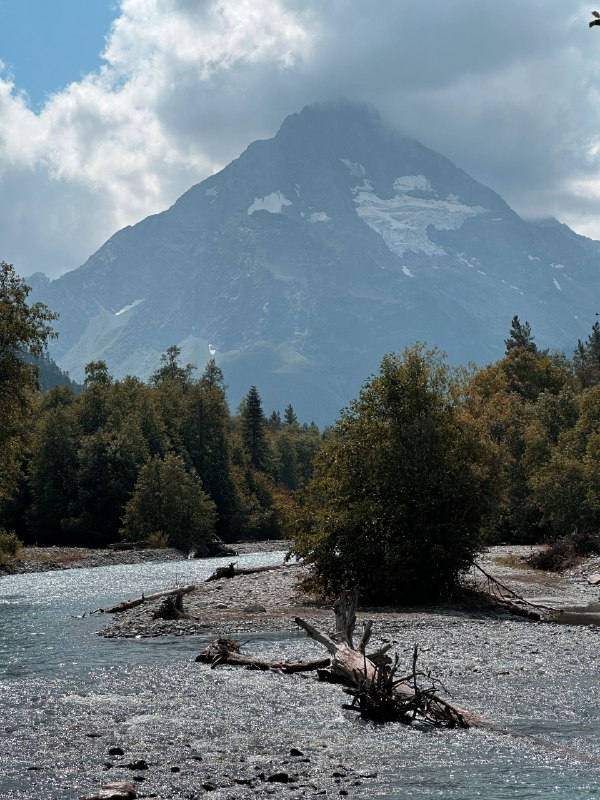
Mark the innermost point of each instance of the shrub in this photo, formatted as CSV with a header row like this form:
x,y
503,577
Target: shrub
x,y
566,552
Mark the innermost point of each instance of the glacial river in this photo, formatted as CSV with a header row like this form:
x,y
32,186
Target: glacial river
x,y
67,696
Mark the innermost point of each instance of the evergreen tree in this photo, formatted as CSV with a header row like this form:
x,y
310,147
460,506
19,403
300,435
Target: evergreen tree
x,y
289,416
254,436
205,433
586,359
520,337
171,370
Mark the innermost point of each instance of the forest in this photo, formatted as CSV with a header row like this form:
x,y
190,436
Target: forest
x,y
425,467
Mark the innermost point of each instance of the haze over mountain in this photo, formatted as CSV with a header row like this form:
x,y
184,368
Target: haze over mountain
x,y
304,261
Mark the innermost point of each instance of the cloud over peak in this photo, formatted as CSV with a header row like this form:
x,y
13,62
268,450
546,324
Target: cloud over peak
x,y
508,92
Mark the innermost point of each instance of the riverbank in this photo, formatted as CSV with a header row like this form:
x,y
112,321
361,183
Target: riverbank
x,y
269,601
51,559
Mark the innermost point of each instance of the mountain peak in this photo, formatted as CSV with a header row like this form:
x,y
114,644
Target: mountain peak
x,y
304,261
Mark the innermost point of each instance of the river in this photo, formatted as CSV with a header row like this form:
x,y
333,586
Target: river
x,y
67,696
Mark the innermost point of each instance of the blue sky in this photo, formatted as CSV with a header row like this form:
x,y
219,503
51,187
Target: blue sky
x,y
111,109
46,44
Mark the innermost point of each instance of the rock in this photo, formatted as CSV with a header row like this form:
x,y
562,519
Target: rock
x,y
295,752
116,751
122,790
278,777
175,769
208,786
255,608
594,579
140,764
221,605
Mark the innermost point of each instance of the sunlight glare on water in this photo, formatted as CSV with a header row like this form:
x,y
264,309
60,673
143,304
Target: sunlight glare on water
x,y
68,695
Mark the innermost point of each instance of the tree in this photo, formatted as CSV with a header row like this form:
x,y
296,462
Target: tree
x,y
586,358
205,432
167,498
289,415
520,337
254,436
402,489
24,331
170,369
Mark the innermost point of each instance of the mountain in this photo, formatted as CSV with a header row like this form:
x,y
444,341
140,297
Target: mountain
x,y
306,259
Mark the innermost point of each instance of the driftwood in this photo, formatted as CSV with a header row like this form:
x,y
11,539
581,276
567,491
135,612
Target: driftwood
x,y
511,600
227,651
144,599
232,571
379,693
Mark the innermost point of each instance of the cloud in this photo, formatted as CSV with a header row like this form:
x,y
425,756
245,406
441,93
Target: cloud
x,y
508,91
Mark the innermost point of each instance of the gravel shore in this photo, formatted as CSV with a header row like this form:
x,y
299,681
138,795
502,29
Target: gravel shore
x,y
269,601
51,559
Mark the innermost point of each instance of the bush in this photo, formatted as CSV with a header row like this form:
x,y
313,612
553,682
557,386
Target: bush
x,y
9,543
9,547
566,552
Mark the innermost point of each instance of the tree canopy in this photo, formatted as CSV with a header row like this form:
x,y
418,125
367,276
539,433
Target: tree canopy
x,y
403,487
24,330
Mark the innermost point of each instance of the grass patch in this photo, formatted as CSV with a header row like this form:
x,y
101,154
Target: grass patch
x,y
513,561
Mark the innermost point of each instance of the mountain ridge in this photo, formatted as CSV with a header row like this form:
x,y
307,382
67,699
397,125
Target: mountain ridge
x,y
306,259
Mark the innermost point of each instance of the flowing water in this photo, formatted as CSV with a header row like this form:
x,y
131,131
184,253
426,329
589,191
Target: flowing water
x,y
67,696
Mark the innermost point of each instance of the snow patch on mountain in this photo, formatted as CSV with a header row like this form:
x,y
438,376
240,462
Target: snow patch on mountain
x,y
129,307
273,203
403,219
408,183
407,272
354,167
320,216
557,284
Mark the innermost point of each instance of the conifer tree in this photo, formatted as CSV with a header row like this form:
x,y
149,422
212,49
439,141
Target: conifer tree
x,y
254,436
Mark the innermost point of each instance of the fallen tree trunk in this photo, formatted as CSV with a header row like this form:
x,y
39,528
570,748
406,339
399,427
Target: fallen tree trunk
x,y
227,651
144,599
232,571
379,694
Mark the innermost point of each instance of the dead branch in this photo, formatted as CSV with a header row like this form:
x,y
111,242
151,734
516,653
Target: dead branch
x,y
144,599
510,599
232,571
227,651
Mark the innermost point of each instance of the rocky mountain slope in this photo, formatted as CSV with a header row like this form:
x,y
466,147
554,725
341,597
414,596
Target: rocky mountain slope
x,y
305,260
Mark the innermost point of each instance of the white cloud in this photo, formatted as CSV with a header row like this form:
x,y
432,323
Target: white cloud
x,y
507,90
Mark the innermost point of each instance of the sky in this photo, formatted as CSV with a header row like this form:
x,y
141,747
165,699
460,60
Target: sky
x,y
111,109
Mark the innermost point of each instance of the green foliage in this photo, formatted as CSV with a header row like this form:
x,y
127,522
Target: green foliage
x,y
9,543
24,330
520,337
170,369
168,498
566,486
403,487
254,432
586,358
